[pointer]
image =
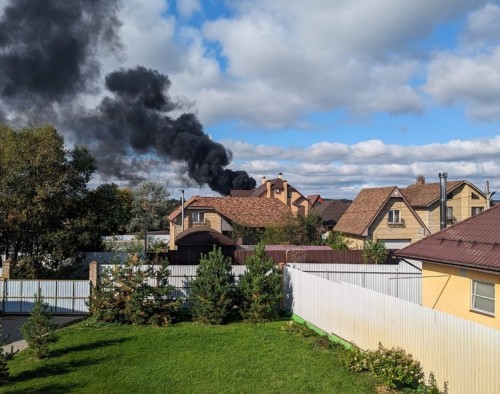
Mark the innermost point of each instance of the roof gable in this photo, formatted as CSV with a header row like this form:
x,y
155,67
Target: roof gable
x,y
246,211
472,243
424,195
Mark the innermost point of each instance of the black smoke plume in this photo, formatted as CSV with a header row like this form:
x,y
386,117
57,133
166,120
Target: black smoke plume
x,y
136,116
48,54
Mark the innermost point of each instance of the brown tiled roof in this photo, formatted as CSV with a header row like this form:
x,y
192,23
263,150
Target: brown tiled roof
x,y
428,193
331,211
313,198
363,210
241,193
247,211
202,235
471,243
275,184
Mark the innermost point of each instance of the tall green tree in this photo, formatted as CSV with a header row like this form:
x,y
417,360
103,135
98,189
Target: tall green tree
x,y
150,205
260,287
296,230
42,187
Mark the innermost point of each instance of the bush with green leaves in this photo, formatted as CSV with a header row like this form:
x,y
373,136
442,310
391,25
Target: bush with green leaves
x,y
260,287
213,295
4,357
374,251
336,241
393,367
126,296
39,329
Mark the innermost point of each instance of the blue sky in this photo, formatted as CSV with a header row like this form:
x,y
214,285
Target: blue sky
x,y
337,95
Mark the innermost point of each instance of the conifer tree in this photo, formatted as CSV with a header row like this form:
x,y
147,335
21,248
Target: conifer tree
x,y
39,330
4,369
260,287
212,292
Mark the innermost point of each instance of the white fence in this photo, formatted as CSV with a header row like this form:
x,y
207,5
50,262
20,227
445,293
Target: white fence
x,y
403,280
180,277
465,354
63,296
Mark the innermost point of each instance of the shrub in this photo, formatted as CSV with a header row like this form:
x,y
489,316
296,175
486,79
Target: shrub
x,y
374,251
125,296
212,295
39,330
393,367
4,369
336,241
260,287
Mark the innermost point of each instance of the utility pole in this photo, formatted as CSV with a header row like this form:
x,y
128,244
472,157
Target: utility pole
x,y
182,208
488,194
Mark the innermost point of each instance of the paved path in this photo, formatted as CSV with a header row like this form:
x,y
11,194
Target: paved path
x,y
12,323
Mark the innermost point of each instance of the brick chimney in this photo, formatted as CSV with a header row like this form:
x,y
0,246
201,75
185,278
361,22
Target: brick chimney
x,y
263,179
420,180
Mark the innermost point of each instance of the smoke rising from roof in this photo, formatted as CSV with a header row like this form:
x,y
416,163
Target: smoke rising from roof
x,y
48,54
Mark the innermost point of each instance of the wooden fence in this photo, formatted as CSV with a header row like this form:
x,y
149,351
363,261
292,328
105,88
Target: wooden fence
x,y
464,354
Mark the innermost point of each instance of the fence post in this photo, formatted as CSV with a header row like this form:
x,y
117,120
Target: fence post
x,y
94,273
6,265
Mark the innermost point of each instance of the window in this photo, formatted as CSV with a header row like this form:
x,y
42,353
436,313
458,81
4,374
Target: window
x,y
394,216
289,194
198,217
483,297
476,210
474,196
450,218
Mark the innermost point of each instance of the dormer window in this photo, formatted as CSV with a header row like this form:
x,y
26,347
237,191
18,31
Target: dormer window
x,y
394,216
198,217
277,191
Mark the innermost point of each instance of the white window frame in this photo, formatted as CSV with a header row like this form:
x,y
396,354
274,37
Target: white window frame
x,y
391,215
477,210
196,217
474,296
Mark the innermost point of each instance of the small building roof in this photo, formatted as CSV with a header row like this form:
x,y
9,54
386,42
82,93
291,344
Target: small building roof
x,y
331,211
364,209
425,194
471,243
202,235
246,211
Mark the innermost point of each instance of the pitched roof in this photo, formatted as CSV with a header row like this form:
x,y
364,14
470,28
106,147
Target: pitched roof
x,y
471,243
364,209
313,198
423,195
331,210
202,235
247,211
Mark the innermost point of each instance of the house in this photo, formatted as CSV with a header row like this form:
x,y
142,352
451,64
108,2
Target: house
x,y
220,215
315,200
330,211
463,200
461,268
279,189
409,214
381,213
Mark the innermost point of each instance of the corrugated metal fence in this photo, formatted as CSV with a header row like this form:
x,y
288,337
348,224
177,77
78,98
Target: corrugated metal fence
x,y
63,296
463,353
403,280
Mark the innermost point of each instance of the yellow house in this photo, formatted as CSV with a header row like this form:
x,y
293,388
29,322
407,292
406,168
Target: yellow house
x,y
381,213
463,200
222,214
461,268
280,189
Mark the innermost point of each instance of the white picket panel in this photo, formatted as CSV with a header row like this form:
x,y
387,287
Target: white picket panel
x,y
463,353
62,296
401,280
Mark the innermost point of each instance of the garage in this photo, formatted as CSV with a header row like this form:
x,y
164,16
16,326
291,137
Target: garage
x,y
396,244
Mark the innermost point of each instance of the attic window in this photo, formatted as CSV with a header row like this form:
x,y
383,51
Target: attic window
x,y
393,216
198,217
277,191
474,196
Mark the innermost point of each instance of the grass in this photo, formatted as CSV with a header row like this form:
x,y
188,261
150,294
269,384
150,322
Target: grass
x,y
185,358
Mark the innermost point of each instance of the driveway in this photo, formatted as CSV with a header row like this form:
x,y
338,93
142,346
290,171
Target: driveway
x,y
11,325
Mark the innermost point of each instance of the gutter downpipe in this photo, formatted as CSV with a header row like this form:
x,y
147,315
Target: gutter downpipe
x,y
182,204
442,196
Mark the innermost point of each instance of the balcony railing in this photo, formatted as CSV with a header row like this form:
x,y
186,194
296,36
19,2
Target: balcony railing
x,y
400,223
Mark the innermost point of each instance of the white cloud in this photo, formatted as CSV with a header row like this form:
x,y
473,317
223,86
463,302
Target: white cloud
x,y
187,8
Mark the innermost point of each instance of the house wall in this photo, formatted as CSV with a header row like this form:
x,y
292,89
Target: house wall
x,y
448,289
461,203
212,220
380,229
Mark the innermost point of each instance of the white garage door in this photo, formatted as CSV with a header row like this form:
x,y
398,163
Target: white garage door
x,y
395,243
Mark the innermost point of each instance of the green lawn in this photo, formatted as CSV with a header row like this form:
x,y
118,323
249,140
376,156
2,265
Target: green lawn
x,y
185,358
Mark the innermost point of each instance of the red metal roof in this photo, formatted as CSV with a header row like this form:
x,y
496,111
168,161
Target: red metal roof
x,y
472,243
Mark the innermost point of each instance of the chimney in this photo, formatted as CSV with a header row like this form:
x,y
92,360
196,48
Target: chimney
x,y
280,175
442,199
268,189
263,179
420,180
